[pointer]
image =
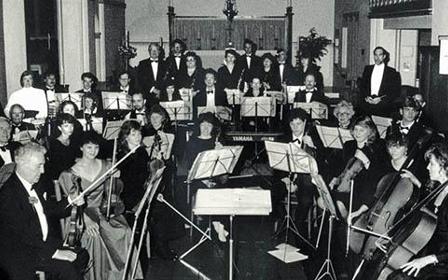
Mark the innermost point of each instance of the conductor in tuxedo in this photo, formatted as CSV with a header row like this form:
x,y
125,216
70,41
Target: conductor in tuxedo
x,y
28,242
151,74
380,86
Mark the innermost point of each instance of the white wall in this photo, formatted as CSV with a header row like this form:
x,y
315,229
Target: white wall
x,y
15,42
439,20
147,20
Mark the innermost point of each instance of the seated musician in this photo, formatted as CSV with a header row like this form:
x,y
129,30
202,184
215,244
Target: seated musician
x,y
205,137
138,111
107,241
432,261
90,109
134,172
89,83
408,124
256,89
16,115
303,136
124,84
28,240
69,107
422,117
62,150
310,93
171,93
363,159
159,129
210,96
50,87
7,146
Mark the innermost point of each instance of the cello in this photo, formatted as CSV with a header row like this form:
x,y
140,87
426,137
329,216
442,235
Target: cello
x,y
408,237
394,195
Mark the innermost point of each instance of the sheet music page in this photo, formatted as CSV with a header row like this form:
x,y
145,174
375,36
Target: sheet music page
x,y
112,129
382,124
25,136
346,135
299,160
329,136
325,194
316,110
252,200
265,106
277,155
75,97
233,96
291,91
178,110
114,100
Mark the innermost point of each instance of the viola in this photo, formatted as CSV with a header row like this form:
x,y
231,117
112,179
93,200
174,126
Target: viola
x,y
76,225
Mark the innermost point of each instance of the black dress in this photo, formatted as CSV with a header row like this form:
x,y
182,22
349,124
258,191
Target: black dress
x,y
60,157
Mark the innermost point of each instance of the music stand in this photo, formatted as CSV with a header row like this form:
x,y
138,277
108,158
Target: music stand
x,y
234,97
177,111
118,102
289,158
333,137
316,109
75,97
96,123
327,268
261,106
112,129
221,112
151,187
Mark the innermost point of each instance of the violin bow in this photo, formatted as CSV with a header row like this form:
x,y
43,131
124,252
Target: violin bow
x,y
111,181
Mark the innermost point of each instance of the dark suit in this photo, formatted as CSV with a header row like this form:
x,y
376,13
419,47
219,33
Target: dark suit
x,y
23,249
173,71
317,96
290,75
389,91
146,81
256,66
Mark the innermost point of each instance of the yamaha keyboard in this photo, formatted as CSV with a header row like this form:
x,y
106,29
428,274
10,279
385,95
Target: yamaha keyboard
x,y
250,136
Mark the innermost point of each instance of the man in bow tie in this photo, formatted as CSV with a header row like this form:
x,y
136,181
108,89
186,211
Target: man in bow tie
x,y
176,62
151,74
89,82
124,84
210,95
251,63
7,147
16,115
138,111
51,87
310,93
27,238
288,76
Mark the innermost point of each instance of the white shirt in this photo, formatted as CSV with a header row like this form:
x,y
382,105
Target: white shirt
x,y
210,98
50,95
31,99
177,59
282,68
125,89
248,59
37,206
154,66
377,77
308,96
6,156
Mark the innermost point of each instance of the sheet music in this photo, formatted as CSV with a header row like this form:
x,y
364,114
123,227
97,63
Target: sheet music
x,y
212,163
221,112
97,124
291,92
75,97
112,129
238,201
178,110
333,137
265,107
346,135
316,109
116,100
277,95
382,124
234,96
279,153
325,194
299,160
25,136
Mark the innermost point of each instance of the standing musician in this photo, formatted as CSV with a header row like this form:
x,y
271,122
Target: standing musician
x,y
193,77
28,241
432,261
268,73
363,158
229,73
107,241
176,61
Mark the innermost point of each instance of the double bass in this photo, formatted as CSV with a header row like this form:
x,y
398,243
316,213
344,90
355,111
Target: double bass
x,y
407,238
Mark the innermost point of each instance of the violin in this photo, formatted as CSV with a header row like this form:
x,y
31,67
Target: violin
x,y
76,225
351,170
156,155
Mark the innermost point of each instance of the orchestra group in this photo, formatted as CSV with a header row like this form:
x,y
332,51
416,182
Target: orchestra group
x,y
395,178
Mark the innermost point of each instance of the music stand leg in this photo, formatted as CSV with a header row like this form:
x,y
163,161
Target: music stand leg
x,y
290,225
321,227
202,240
327,268
231,249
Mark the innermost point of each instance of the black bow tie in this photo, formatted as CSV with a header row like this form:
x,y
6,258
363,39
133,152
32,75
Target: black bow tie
x,y
309,90
140,113
154,61
209,91
297,141
248,55
404,129
177,55
281,63
3,148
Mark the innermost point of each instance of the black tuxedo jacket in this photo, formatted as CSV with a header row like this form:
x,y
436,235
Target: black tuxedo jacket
x,y
20,231
225,79
290,75
172,69
145,77
317,96
201,98
389,91
256,65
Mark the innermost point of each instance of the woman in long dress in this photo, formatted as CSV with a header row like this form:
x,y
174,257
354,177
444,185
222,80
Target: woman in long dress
x,y
106,241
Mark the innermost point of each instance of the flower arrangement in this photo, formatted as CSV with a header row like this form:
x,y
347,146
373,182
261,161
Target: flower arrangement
x,y
313,45
126,51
